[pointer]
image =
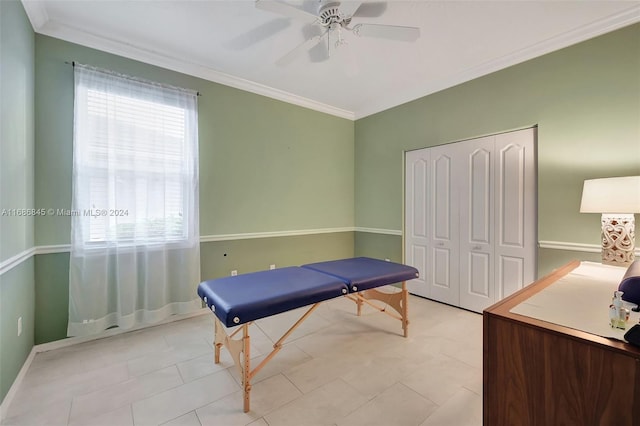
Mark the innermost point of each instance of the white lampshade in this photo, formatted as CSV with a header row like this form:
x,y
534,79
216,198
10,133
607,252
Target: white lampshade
x,y
611,195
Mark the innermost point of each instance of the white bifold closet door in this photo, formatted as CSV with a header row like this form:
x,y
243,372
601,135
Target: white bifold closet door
x,y
477,214
416,240
470,218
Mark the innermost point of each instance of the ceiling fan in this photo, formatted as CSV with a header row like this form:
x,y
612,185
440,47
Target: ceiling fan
x,y
330,19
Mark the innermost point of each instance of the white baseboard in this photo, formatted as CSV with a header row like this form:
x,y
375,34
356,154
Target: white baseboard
x,y
4,407
70,341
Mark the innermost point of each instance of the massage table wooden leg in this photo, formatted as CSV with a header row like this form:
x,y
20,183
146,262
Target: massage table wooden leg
x,y
405,309
242,346
239,351
218,340
398,301
246,367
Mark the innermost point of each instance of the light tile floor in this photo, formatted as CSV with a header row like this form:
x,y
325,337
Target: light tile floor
x,y
335,369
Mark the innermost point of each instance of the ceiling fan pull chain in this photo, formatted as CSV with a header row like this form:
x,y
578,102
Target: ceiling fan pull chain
x,y
334,16
341,40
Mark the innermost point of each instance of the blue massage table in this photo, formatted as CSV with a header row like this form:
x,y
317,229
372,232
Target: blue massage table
x,y
239,300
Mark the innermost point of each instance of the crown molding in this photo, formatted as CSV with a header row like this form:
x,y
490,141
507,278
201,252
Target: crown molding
x,y
36,12
613,22
42,24
45,26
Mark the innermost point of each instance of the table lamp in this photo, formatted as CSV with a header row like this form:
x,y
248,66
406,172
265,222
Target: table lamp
x,y
616,199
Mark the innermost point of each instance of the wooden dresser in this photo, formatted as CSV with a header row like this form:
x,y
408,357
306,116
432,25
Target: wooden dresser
x,y
539,373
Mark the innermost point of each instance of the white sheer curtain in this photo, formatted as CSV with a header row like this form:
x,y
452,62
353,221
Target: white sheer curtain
x,y
135,251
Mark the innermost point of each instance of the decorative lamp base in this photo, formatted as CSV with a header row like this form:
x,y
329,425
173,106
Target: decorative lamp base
x,y
618,236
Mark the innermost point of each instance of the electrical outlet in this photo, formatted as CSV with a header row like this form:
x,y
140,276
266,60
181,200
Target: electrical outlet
x,y
19,326
272,266
234,273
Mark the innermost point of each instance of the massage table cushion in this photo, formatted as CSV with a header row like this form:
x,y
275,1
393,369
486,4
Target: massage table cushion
x,y
243,298
363,273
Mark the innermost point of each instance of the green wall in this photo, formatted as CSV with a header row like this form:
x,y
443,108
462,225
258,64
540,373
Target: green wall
x,y
16,128
16,188
17,295
265,166
51,297
268,166
258,254
380,246
585,100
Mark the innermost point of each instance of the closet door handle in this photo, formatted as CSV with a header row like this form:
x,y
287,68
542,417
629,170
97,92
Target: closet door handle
x,y
440,243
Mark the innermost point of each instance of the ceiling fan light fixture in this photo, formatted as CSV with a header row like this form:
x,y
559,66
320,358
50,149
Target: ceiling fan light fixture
x,y
329,14
332,17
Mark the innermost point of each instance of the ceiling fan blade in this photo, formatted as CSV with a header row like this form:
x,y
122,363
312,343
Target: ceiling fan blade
x,y
391,32
256,35
319,52
284,9
311,30
372,9
349,8
296,51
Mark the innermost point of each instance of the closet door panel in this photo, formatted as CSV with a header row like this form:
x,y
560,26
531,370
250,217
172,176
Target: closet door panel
x,y
511,172
443,225
479,196
511,273
515,211
477,224
441,276
478,280
442,190
416,238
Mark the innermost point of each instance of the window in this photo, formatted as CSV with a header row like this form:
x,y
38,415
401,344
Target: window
x,y
135,161
135,245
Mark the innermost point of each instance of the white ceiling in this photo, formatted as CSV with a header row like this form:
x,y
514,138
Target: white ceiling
x,y
216,40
